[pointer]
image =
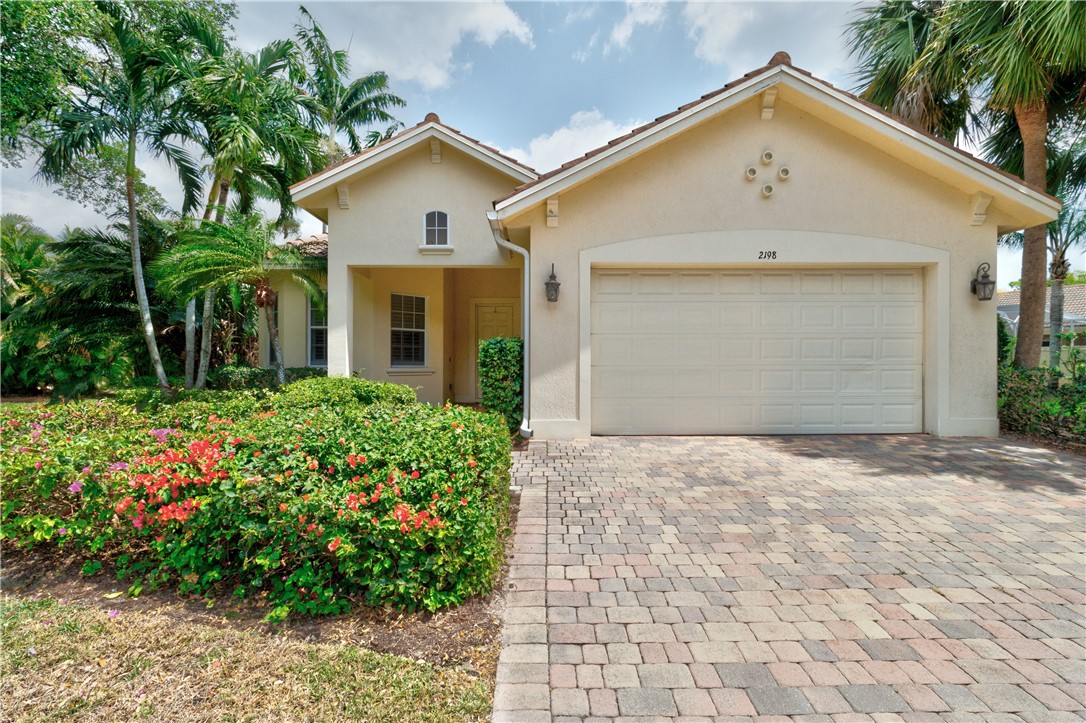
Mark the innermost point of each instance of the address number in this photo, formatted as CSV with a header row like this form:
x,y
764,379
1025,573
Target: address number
x,y
762,255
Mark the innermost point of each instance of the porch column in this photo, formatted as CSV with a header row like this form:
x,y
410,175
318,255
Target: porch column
x,y
340,319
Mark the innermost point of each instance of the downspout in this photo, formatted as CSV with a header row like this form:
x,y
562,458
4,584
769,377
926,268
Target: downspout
x,y
525,317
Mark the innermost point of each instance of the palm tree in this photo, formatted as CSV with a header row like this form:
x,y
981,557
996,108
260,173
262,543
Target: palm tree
x,y
258,137
23,256
242,252
126,102
342,106
888,40
82,330
1065,233
1021,57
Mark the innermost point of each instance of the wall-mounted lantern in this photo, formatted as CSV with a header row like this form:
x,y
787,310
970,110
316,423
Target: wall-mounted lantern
x,y
983,285
552,285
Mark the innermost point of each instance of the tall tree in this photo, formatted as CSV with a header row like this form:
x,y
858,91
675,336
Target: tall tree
x,y
342,105
259,137
1016,55
211,255
127,102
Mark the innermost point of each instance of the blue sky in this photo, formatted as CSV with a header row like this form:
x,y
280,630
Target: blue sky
x,y
542,81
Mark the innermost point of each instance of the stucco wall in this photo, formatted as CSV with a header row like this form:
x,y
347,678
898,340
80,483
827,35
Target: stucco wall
x,y
687,201
293,325
384,224
471,285
383,227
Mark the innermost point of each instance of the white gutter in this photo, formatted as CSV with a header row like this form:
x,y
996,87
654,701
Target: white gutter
x,y
525,320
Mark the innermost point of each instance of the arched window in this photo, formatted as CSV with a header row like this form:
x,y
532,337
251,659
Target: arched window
x,y
437,229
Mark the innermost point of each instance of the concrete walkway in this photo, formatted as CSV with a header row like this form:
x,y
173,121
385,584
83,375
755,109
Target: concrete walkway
x,y
796,578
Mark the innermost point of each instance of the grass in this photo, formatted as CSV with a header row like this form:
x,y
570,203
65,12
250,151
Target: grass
x,y
62,661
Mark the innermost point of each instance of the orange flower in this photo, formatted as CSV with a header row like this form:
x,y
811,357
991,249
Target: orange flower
x,y
333,545
282,506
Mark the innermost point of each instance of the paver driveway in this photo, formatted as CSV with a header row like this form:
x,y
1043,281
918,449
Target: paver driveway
x,y
817,578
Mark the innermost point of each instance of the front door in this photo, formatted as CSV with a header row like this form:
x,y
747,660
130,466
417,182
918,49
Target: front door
x,y
492,319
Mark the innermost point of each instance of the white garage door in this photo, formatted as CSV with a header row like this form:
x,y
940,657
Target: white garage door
x,y
693,351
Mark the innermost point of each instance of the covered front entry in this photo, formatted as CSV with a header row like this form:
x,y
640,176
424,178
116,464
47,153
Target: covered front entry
x,y
422,327
733,351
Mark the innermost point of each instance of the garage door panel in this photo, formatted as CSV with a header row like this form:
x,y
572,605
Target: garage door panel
x,y
859,317
696,351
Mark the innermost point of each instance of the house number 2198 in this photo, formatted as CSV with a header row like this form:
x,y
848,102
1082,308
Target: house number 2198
x,y
762,255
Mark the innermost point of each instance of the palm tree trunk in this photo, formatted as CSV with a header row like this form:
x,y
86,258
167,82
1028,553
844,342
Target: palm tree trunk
x,y
209,299
276,347
1033,125
1055,315
137,265
190,342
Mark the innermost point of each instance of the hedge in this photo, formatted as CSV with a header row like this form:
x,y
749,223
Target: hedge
x,y
308,506
1031,402
501,378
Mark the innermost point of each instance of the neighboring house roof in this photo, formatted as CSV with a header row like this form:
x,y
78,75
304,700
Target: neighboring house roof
x,y
315,245
1028,203
430,127
1074,303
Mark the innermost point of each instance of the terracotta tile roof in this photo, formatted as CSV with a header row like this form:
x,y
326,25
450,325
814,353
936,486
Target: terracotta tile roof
x,y
315,245
779,58
430,118
1074,301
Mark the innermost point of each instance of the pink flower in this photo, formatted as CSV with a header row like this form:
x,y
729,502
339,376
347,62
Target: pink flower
x,y
76,487
62,531
114,613
37,465
86,470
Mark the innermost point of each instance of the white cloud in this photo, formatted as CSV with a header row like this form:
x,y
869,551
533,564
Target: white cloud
x,y
586,130
585,53
714,27
409,41
637,13
580,13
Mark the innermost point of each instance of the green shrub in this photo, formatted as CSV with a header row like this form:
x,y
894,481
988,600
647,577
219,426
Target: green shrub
x,y
246,377
501,373
335,392
1031,402
1005,342
308,506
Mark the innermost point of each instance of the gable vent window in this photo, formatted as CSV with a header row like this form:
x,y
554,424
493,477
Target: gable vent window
x,y
408,330
437,229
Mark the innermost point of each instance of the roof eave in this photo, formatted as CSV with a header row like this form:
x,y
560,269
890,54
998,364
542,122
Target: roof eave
x,y
332,176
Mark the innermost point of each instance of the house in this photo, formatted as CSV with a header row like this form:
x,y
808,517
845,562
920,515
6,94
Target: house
x,y
777,256
1008,304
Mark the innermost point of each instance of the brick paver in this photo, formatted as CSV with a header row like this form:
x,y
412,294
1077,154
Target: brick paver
x,y
806,578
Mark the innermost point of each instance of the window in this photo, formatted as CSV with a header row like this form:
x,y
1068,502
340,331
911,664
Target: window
x,y
408,330
437,229
318,337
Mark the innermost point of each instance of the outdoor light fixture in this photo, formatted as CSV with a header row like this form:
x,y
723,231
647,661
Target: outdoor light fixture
x,y
983,285
552,286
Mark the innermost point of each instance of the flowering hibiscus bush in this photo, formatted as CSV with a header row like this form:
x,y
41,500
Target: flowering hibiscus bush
x,y
307,506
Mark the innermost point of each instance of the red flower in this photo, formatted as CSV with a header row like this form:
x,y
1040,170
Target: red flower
x,y
333,545
415,474
256,453
436,495
472,463
373,520
463,500
311,526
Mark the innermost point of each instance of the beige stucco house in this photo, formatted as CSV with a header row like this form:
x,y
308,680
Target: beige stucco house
x,y
775,257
